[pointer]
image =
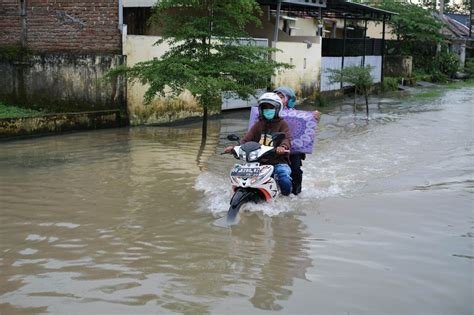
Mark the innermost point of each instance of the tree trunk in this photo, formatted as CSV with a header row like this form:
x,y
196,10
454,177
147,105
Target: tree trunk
x,y
355,96
366,95
204,123
200,152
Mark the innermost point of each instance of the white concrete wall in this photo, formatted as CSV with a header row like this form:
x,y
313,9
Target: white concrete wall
x,y
305,27
335,63
375,30
141,48
139,3
306,61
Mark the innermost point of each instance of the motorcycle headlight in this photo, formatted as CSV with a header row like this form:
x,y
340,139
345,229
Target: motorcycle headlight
x,y
253,156
242,154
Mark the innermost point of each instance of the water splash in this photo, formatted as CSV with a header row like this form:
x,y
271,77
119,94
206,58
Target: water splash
x,y
218,192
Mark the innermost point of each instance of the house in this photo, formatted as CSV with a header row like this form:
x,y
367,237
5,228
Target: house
x,y
63,48
312,35
53,54
459,38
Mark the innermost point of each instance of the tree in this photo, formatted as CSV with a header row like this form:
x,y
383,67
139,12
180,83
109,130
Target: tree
x,y
206,55
461,7
417,32
358,76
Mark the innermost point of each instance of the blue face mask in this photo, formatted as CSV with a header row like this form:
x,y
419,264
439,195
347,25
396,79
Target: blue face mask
x,y
269,113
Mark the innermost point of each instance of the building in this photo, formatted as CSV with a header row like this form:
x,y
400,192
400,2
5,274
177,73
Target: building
x,y
312,35
62,49
54,53
459,38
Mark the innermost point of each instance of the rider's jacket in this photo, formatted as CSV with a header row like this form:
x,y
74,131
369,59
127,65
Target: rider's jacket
x,y
261,131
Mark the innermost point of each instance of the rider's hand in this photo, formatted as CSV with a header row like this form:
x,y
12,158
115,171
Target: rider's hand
x,y
281,150
228,149
317,115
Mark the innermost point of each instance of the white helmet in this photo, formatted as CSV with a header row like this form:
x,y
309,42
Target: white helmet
x,y
272,99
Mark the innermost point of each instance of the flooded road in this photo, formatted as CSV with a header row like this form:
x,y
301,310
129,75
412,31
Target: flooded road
x,y
121,221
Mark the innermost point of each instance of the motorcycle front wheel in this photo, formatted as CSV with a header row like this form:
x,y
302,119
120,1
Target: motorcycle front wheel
x,y
240,197
234,211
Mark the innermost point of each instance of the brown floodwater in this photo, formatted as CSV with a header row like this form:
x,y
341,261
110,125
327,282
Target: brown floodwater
x,y
121,221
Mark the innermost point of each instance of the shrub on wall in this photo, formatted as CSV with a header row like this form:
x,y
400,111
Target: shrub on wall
x,y
9,52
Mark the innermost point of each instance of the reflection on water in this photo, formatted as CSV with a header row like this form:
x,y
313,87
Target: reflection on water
x,y
109,221
120,221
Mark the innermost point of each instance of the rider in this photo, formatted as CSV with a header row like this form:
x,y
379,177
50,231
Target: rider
x,y
288,98
269,107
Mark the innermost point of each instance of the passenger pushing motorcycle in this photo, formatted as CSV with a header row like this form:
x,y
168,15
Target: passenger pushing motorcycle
x,y
268,142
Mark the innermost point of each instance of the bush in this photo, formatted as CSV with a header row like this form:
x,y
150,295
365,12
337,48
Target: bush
x,y
447,63
10,111
438,77
321,100
469,67
420,76
390,84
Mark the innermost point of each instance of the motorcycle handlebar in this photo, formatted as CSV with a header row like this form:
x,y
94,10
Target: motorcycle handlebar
x,y
274,150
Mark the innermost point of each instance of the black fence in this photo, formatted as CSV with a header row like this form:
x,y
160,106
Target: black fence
x,y
333,47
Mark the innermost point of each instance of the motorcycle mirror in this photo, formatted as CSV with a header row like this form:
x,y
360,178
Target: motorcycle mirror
x,y
233,137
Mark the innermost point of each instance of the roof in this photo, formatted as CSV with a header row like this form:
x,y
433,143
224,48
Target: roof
x,y
461,18
342,8
453,28
330,8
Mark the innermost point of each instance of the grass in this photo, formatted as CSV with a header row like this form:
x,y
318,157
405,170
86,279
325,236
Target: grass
x,y
428,94
461,84
448,86
10,111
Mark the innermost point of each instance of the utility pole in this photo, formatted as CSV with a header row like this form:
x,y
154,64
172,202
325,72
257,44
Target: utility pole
x,y
24,25
277,21
470,19
441,13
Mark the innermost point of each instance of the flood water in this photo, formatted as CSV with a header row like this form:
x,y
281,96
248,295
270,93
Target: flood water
x,y
121,221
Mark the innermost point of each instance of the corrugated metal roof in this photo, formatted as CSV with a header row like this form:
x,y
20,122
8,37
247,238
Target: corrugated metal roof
x,y
453,28
332,8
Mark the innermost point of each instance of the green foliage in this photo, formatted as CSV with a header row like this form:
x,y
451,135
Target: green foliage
x,y
447,63
9,111
414,26
419,75
206,55
428,94
417,32
437,76
460,84
321,100
469,67
9,52
390,84
357,76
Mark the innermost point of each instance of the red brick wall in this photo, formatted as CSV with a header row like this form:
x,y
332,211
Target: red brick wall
x,y
9,22
77,26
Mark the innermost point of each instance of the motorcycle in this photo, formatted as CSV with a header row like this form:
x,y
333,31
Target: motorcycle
x,y
252,182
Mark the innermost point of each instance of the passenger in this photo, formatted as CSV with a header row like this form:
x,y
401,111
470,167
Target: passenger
x,y
288,98
269,108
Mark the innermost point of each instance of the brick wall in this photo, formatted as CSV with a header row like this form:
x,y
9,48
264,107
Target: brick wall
x,y
9,22
76,26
